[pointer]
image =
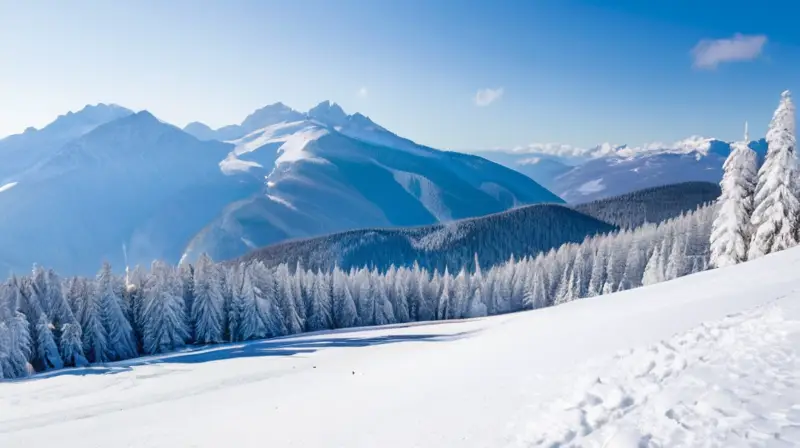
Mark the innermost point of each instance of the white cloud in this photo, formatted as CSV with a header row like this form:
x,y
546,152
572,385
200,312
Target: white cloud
x,y
708,53
362,92
485,97
688,145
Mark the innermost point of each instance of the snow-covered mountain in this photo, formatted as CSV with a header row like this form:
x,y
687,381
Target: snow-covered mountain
x,y
102,182
21,151
267,115
579,175
332,172
133,183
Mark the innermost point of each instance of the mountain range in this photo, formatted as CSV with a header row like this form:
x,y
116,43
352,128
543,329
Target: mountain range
x,y
608,170
106,183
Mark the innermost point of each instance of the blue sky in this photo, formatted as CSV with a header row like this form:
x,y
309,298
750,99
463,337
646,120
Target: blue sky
x,y
574,72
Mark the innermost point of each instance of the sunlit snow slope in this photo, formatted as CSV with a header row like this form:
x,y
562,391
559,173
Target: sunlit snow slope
x,y
706,360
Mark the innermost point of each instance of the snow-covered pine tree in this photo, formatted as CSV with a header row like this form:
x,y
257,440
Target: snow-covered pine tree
x,y
71,347
20,348
446,297
344,307
14,333
186,279
654,270
47,353
164,316
400,296
134,296
776,206
302,285
207,307
250,323
461,296
598,276
121,341
731,232
476,306
384,314
286,299
95,334
319,316
634,266
534,287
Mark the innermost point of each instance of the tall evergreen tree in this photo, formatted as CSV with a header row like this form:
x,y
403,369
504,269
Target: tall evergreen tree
x,y
731,232
776,205
121,341
287,301
164,316
71,347
344,307
208,304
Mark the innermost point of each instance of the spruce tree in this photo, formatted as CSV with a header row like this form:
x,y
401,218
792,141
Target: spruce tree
x,y
120,337
776,207
207,307
731,232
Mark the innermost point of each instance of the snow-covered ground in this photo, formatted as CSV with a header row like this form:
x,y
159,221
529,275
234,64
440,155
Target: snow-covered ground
x,y
706,360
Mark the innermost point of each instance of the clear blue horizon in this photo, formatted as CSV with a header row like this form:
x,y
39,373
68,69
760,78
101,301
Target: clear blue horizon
x,y
453,75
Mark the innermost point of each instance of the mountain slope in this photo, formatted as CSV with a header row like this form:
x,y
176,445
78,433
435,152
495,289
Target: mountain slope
x,y
522,231
139,185
21,151
611,176
583,175
133,183
541,168
651,204
328,173
708,359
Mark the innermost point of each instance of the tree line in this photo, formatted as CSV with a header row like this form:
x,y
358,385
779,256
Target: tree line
x,y
47,322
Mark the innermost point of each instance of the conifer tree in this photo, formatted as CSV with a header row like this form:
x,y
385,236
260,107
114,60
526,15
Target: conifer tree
x,y
208,305
120,338
344,307
731,232
776,206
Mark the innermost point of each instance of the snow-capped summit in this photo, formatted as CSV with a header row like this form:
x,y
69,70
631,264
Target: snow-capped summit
x,y
269,115
328,113
21,151
135,183
259,119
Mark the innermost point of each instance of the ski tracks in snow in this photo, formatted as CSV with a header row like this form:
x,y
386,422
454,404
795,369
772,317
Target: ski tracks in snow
x,y
734,382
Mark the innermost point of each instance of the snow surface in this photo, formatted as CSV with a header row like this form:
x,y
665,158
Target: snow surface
x,y
593,186
706,360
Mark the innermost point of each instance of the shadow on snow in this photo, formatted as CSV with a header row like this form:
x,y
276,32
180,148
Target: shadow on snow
x,y
285,346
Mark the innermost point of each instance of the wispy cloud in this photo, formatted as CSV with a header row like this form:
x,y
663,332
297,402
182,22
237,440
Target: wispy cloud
x,y
708,53
685,146
362,92
485,97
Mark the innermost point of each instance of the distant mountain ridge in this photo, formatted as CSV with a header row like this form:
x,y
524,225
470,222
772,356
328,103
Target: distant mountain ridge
x,y
522,231
651,205
585,175
109,184
494,238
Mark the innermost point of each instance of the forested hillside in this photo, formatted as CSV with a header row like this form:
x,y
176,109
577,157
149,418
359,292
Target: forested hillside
x,y
655,204
48,323
522,231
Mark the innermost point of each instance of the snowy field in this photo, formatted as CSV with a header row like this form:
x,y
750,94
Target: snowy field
x,y
705,360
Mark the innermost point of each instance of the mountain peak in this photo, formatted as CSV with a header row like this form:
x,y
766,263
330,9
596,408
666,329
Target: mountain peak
x,y
328,113
269,115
